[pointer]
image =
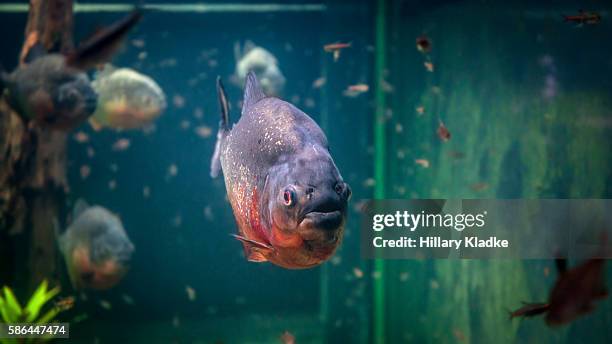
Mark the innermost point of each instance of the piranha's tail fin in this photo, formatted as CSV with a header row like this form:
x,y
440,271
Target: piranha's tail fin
x,y
215,164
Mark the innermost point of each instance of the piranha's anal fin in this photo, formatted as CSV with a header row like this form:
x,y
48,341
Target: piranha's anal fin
x,y
215,163
252,92
254,250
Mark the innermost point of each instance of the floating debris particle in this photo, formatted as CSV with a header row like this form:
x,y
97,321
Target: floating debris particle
x,y
420,110
85,171
357,272
178,101
146,192
106,305
138,43
319,82
203,131
191,293
112,184
172,171
127,299
429,66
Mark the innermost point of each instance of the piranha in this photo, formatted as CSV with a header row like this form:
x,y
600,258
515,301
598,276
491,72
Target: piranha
x,y
287,195
53,89
263,63
126,99
95,247
573,295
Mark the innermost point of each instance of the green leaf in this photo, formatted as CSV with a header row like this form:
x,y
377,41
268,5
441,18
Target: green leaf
x,y
12,306
49,316
40,297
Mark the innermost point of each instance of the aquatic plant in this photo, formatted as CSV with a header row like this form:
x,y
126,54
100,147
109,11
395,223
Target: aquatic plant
x,y
11,311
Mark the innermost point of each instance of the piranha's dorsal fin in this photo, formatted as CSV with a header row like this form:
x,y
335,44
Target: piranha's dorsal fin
x,y
252,92
215,163
254,250
103,45
36,51
79,207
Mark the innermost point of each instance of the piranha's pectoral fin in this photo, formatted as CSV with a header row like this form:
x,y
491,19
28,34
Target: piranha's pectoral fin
x,y
215,163
255,251
103,45
252,92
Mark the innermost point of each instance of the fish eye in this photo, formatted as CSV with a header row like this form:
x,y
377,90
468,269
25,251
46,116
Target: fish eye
x,y
289,197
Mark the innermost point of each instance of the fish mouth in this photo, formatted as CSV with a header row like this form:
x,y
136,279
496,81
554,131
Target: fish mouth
x,y
324,220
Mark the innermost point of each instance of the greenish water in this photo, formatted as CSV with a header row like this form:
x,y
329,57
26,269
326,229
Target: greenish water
x,y
525,96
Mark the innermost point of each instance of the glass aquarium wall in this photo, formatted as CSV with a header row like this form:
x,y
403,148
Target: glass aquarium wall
x,y
429,99
525,97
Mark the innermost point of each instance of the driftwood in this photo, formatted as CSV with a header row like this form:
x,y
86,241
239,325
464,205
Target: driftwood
x,y
33,181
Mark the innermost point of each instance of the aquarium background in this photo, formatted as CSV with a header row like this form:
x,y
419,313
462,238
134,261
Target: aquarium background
x,y
525,96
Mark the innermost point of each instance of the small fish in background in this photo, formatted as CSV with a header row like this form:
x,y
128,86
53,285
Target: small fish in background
x,y
357,272
121,145
319,82
423,44
172,171
481,186
589,18
106,305
138,43
422,162
81,137
287,338
420,110
127,99
198,113
203,131
355,90
443,132
288,175
127,299
85,171
53,89
65,303
573,295
429,66
335,49
191,293
95,247
146,192
263,63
